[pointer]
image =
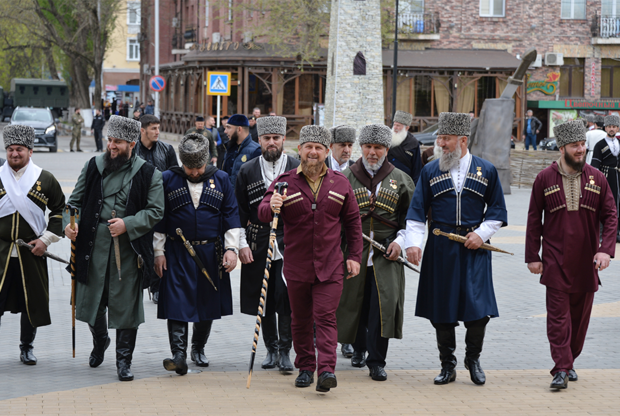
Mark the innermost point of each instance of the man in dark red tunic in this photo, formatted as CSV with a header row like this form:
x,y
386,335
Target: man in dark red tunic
x,y
319,203
575,198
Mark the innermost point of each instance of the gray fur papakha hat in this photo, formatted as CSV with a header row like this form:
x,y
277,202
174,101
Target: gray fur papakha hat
x,y
376,134
124,128
458,124
403,118
569,132
612,120
342,134
16,134
194,150
271,125
315,134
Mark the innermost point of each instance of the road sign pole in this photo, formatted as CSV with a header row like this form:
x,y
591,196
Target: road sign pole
x,y
156,54
219,100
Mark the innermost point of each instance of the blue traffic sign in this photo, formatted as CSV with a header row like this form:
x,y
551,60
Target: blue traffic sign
x,y
218,83
157,83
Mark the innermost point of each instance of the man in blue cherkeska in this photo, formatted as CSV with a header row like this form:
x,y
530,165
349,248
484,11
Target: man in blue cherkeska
x,y
465,197
200,201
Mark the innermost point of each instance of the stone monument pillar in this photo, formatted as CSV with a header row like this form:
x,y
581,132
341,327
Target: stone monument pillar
x,y
354,90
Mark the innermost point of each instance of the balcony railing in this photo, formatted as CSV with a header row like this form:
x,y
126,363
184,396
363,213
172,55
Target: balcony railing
x,y
418,23
609,27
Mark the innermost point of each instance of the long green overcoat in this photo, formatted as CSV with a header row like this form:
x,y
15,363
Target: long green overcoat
x,y
125,296
392,204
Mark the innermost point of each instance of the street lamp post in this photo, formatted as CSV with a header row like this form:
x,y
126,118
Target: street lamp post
x,y
395,69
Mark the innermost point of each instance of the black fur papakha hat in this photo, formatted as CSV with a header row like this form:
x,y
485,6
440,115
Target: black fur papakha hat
x,y
124,128
569,132
457,124
194,150
16,134
271,125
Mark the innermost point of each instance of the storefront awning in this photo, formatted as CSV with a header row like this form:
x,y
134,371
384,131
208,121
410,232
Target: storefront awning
x,y
452,59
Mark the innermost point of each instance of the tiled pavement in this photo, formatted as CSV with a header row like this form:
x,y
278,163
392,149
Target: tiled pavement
x,y
516,356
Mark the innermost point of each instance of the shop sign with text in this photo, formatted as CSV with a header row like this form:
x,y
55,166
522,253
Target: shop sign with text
x,y
548,86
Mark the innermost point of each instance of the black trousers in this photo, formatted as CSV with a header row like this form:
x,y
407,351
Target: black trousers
x,y
12,298
98,141
369,329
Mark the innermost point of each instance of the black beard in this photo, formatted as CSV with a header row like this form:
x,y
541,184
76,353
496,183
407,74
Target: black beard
x,y
114,164
578,166
234,137
272,155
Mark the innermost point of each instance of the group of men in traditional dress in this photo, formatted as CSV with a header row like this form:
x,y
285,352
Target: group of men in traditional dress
x,y
187,227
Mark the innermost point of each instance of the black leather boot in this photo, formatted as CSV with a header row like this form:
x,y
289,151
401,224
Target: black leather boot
x,y
446,343
200,335
359,359
474,339
125,344
101,341
177,335
285,343
347,350
27,335
270,337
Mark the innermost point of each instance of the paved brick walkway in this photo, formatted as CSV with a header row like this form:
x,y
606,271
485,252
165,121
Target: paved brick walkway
x,y
516,355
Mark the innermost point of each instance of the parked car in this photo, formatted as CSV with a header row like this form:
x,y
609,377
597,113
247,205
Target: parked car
x,y
43,123
427,136
548,144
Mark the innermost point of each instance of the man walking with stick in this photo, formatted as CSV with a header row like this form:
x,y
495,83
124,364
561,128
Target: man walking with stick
x,y
456,283
200,209
372,305
319,203
253,180
27,191
574,198
121,199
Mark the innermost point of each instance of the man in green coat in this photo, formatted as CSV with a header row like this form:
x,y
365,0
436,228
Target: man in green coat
x,y
201,129
372,304
76,133
120,198
26,191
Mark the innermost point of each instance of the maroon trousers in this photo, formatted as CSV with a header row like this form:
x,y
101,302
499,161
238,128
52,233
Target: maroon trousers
x,y
568,316
315,303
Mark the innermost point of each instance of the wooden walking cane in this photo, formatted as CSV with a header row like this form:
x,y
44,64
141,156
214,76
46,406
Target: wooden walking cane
x,y
72,213
263,292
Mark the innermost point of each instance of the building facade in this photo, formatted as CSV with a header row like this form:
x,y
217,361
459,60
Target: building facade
x,y
452,56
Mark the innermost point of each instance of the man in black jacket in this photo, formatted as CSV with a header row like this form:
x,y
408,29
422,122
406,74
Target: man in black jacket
x,y
97,129
221,148
532,128
159,154
405,150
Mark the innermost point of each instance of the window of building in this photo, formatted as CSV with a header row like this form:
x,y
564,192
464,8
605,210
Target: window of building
x,y
573,9
133,50
610,78
572,77
492,8
359,64
206,12
133,13
411,6
610,8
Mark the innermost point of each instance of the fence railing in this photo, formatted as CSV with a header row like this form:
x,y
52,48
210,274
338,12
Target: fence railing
x,y
417,23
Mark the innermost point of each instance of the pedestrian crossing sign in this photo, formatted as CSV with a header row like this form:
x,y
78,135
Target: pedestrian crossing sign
x,y
218,83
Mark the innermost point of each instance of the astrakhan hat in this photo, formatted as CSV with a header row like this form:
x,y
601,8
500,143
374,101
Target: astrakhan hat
x,y
200,118
16,134
612,120
458,124
194,150
124,128
403,118
569,132
315,134
238,120
271,125
376,134
342,134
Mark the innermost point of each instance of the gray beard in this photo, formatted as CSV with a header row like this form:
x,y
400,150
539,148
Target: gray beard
x,y
398,138
449,161
373,167
437,152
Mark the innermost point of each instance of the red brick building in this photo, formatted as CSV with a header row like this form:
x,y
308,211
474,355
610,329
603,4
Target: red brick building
x,y
453,54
